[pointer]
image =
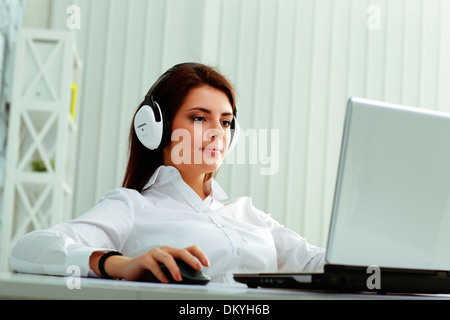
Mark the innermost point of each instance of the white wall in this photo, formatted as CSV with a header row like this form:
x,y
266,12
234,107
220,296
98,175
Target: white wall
x,y
11,18
294,63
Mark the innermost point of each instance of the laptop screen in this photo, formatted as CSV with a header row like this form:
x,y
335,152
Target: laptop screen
x,y
392,201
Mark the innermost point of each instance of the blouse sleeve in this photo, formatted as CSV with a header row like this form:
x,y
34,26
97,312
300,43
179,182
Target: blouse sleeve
x,y
294,253
104,227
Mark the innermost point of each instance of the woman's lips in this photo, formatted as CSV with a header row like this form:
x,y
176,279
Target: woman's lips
x,y
212,150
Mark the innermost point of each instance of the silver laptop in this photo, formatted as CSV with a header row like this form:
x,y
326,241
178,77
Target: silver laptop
x,y
390,226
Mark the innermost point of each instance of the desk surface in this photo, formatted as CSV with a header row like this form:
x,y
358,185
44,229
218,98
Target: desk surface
x,y
27,286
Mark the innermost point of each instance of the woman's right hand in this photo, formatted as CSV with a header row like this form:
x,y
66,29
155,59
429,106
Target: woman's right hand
x,y
142,267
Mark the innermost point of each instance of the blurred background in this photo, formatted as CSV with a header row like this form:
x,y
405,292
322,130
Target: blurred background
x,y
294,64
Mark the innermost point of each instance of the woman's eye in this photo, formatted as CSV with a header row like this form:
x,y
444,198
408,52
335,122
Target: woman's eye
x,y
198,118
226,123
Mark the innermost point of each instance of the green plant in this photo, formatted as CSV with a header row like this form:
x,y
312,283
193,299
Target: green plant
x,y
38,165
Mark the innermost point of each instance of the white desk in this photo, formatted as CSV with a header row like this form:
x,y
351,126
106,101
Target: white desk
x,y
26,286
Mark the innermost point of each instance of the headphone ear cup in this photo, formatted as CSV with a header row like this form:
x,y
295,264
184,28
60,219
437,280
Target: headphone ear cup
x,y
235,132
149,126
167,127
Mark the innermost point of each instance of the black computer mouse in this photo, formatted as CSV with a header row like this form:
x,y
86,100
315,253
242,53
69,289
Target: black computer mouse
x,y
189,274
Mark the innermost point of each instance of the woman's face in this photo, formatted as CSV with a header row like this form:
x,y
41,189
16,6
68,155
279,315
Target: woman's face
x,y
200,132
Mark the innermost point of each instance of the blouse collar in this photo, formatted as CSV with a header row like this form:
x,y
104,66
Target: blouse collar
x,y
166,174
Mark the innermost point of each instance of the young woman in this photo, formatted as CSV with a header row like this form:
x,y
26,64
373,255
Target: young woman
x,y
170,207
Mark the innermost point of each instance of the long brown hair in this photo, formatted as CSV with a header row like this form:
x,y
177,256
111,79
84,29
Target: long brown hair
x,y
170,95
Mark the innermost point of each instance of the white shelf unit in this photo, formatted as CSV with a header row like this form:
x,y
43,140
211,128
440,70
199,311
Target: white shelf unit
x,y
42,135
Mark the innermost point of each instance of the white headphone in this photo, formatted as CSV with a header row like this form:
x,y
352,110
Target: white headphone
x,y
153,126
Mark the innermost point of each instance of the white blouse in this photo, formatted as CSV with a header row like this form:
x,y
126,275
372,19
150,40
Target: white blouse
x,y
235,235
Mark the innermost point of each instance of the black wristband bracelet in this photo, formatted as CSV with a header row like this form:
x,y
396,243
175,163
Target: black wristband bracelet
x,y
101,263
